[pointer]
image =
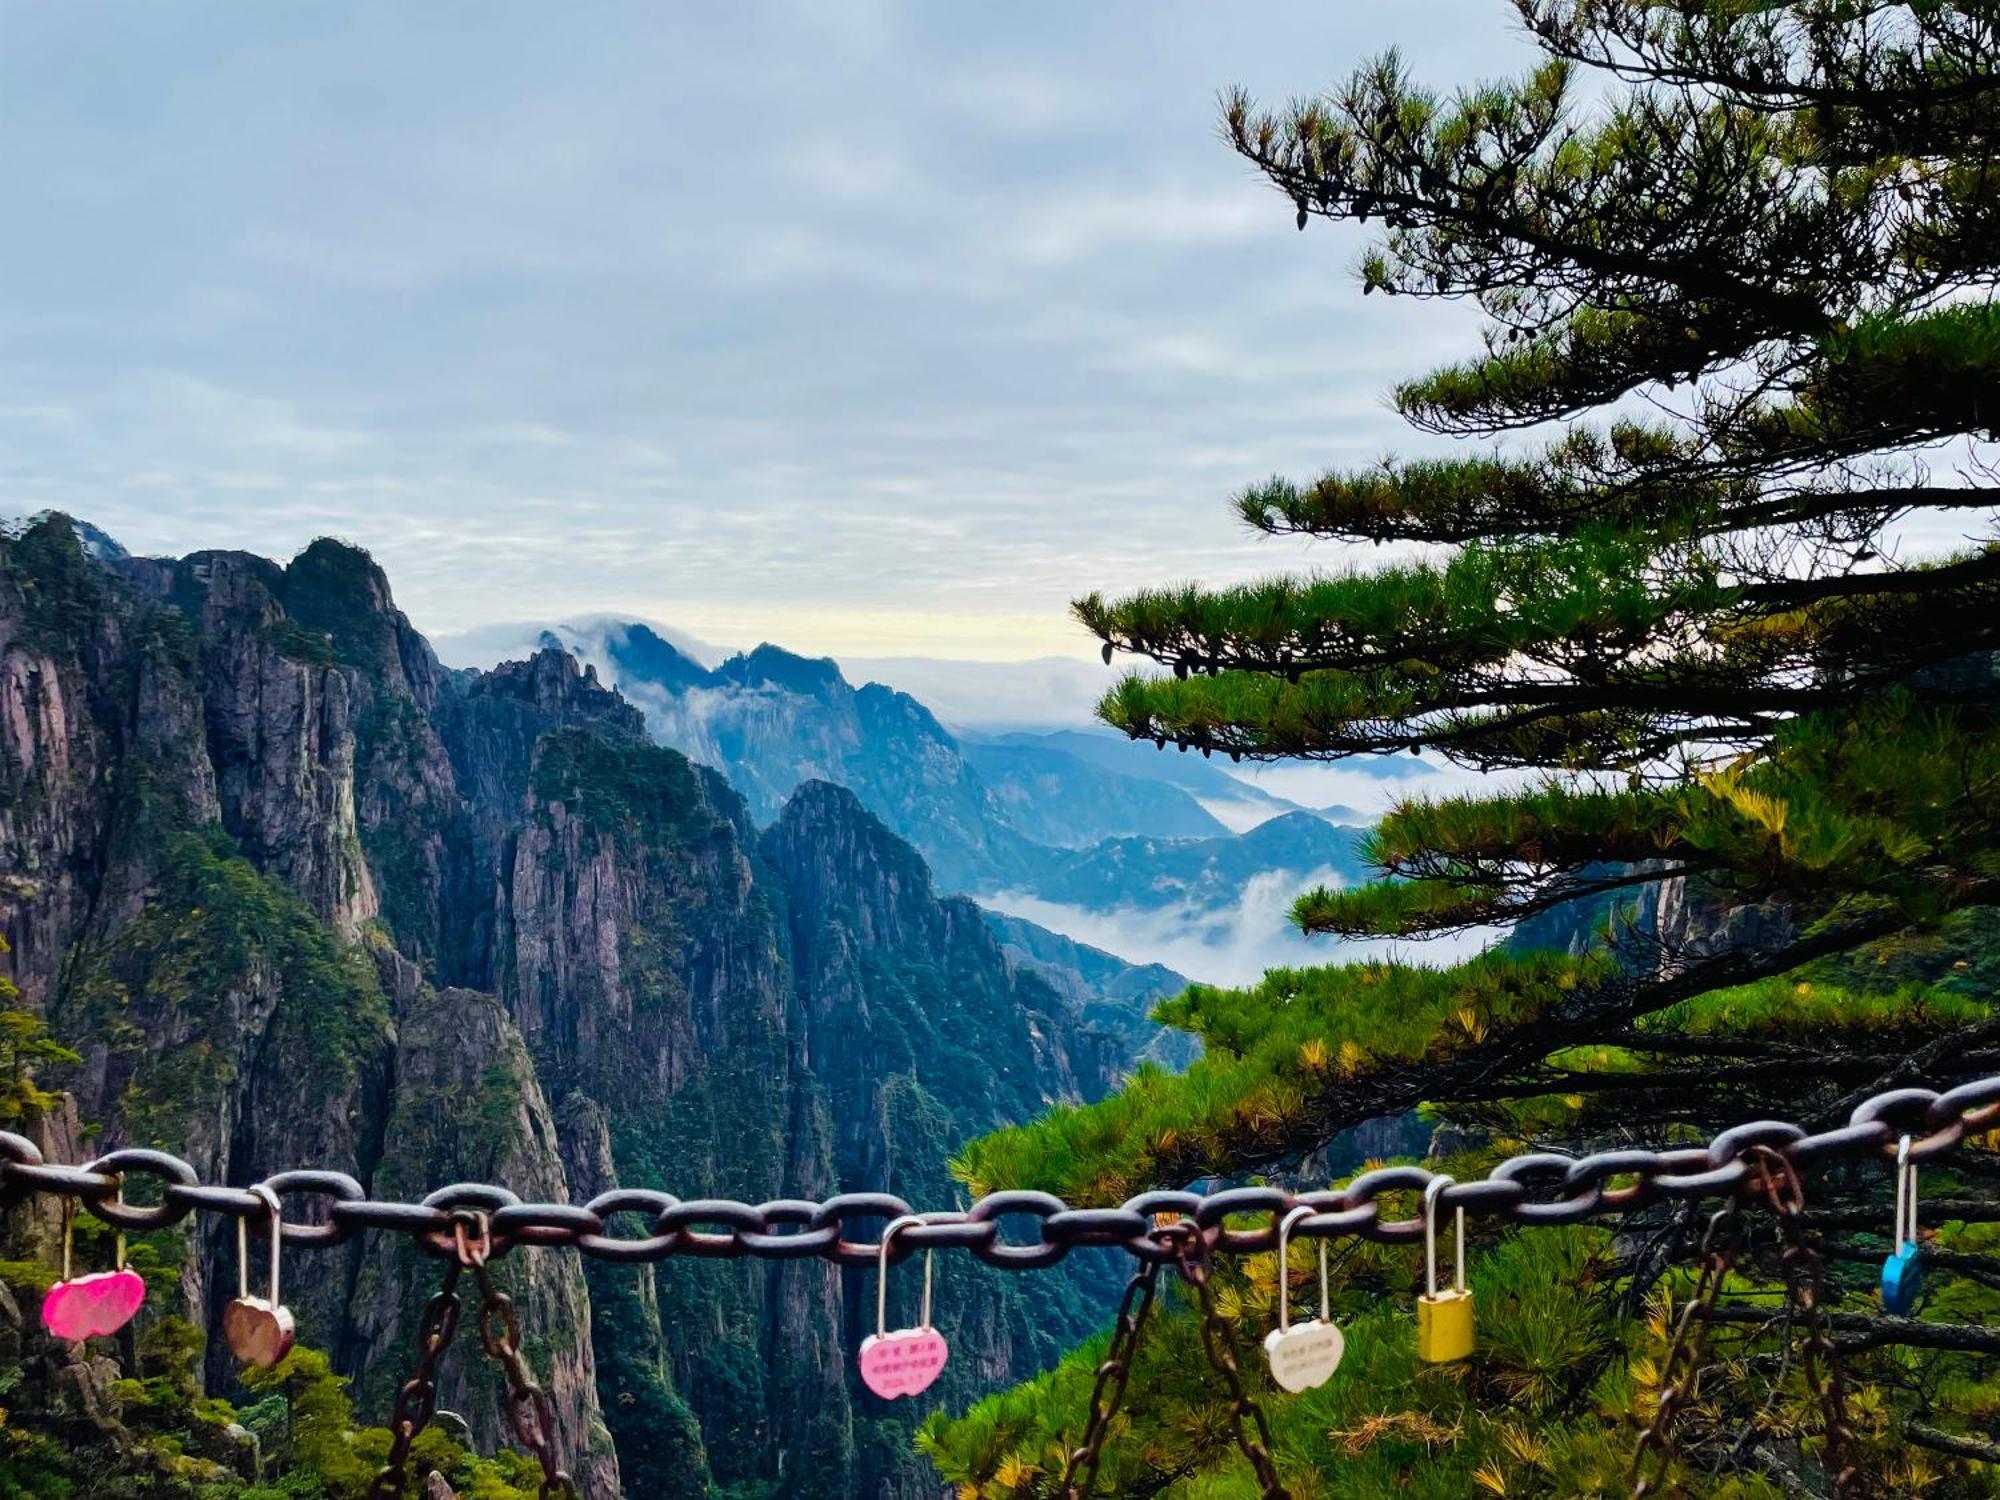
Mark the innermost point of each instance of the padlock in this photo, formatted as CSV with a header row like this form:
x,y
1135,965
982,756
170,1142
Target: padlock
x,y
1902,1281
1303,1356
1444,1325
906,1362
259,1330
1444,1318
1903,1271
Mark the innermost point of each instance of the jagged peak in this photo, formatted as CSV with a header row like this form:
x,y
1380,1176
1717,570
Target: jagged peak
x,y
876,699
637,651
819,799
563,689
96,543
338,590
776,666
829,821
340,563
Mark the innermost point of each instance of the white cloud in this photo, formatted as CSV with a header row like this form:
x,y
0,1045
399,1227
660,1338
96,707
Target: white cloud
x,y
1232,945
885,330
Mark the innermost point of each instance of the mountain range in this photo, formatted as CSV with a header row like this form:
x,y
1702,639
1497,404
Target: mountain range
x,y
1088,827
297,895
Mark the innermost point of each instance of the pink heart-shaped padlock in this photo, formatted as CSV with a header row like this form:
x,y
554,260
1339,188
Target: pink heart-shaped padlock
x,y
91,1306
902,1363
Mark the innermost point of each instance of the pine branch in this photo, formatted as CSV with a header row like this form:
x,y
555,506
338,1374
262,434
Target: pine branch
x,y
1958,1444
1914,1065
1867,1331
1535,1085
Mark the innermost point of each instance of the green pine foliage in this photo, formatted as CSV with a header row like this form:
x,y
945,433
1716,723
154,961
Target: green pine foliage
x,y
1747,851
25,1044
295,1439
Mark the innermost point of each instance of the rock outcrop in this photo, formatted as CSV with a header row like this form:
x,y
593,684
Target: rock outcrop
x,y
299,896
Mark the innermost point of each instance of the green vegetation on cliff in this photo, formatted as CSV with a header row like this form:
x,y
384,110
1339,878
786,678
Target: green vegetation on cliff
x,y
154,1436
216,944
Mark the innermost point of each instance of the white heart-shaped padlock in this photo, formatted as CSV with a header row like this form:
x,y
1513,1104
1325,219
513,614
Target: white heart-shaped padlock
x,y
1305,1355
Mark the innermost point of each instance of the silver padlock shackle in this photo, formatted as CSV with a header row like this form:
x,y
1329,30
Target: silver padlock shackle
x,y
1433,1190
889,1233
69,1234
1906,1196
276,1215
1303,1211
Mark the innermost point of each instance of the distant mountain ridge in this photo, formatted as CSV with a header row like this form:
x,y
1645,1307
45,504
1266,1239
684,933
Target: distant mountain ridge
x,y
1070,817
1148,873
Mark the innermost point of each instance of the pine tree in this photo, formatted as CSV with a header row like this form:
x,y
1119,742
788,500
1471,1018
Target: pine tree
x,y
1735,263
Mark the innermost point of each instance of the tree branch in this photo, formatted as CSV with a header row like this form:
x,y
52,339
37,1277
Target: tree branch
x,y
1867,1331
1958,1444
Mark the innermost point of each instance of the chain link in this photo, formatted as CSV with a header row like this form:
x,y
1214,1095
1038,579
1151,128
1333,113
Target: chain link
x,y
1680,1371
1194,1257
1107,1392
530,1416
1801,1265
1776,1180
416,1402
470,1223
787,1229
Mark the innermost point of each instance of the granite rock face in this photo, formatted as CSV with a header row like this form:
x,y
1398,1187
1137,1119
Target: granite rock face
x,y
297,896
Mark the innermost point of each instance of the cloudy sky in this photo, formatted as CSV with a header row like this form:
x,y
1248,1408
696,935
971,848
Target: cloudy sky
x,y
872,328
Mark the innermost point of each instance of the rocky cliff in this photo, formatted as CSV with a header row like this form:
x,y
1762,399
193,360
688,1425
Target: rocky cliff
x,y
299,896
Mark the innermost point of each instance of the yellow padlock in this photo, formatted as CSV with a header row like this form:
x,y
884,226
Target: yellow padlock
x,y
1444,1318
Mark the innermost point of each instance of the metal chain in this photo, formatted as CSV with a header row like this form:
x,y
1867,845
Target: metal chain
x,y
1680,1371
530,1416
1194,1257
1777,1181
1538,1188
1801,1266
1107,1392
416,1402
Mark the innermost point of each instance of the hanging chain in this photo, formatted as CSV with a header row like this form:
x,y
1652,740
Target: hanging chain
x,y
530,1416
416,1402
1680,1371
529,1413
1775,1178
1801,1265
1107,1394
1193,1257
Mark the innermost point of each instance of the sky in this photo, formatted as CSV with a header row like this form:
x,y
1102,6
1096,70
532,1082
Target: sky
x,y
878,330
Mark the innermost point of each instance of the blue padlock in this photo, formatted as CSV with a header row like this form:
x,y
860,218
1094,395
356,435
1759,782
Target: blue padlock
x,y
1903,1271
1902,1280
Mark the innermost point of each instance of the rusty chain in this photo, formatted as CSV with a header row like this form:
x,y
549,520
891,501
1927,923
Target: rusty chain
x,y
1538,1188
1195,1259
1775,1179
1107,1391
530,1416
1185,1229
416,1402
1680,1371
1800,1264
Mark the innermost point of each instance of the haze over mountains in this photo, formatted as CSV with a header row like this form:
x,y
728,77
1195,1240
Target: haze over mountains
x,y
1159,857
